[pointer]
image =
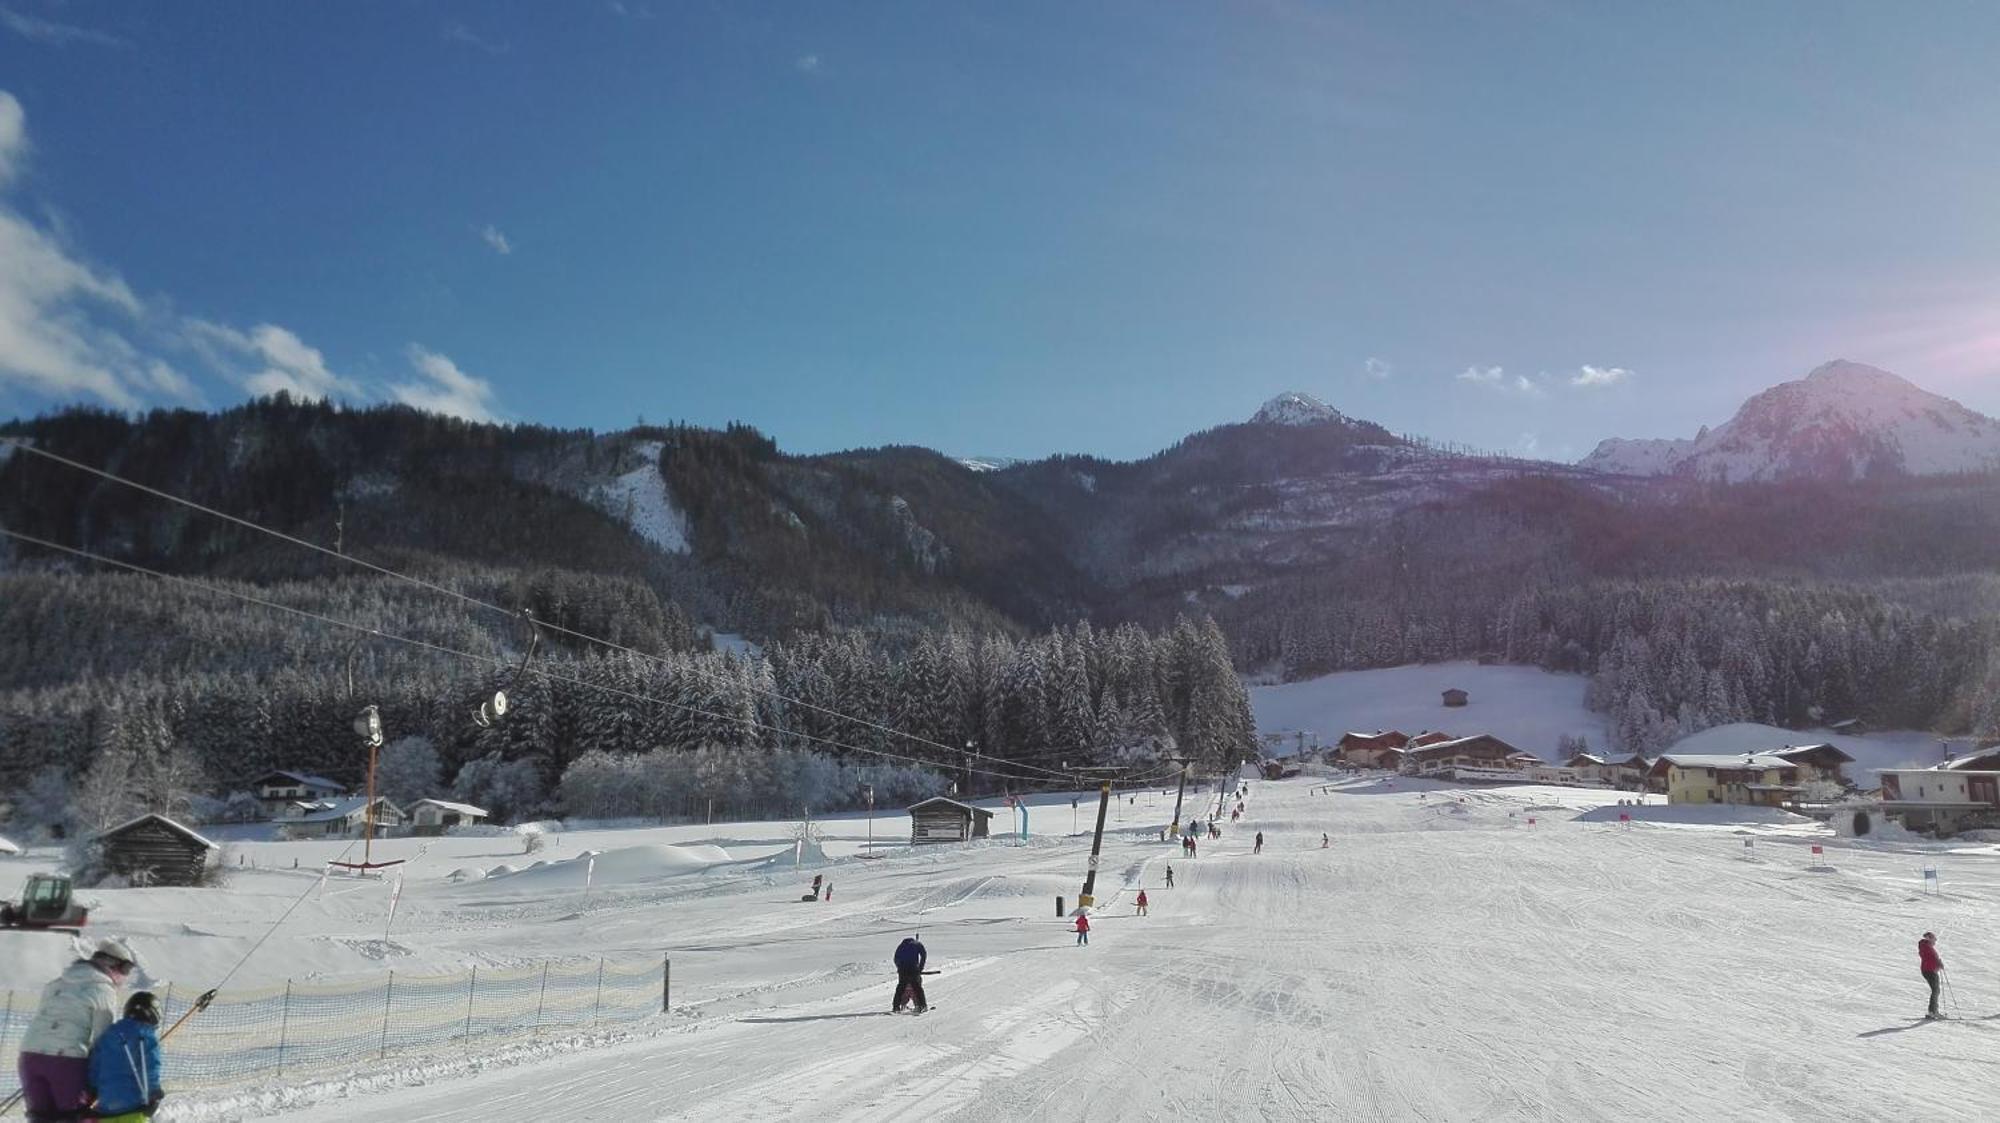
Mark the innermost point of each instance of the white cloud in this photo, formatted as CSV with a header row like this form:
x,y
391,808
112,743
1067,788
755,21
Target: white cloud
x,y
59,34
493,236
444,388
1590,376
1497,379
808,64
269,359
13,137
1379,369
62,320
459,33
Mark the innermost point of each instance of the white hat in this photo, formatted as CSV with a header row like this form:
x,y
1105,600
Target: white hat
x,y
116,949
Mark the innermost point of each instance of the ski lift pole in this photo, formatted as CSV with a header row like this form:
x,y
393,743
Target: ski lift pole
x,y
1180,795
1087,898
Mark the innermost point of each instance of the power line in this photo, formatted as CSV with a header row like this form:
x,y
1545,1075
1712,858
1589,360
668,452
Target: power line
x,y
494,661
385,571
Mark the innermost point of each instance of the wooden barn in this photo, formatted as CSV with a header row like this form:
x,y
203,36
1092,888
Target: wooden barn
x,y
1456,697
155,850
939,819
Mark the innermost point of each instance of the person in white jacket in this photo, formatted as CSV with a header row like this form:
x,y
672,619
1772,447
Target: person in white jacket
x,y
77,1006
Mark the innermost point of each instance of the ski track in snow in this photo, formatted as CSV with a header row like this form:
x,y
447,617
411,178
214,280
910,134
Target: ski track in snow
x,y
1426,966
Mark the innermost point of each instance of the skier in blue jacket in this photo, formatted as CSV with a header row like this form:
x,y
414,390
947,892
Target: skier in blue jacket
x,y
125,1063
910,960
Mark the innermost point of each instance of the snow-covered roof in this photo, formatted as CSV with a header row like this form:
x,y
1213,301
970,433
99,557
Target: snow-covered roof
x,y
331,810
447,805
1807,750
1727,760
1461,742
8,847
1587,758
163,821
304,779
949,800
1982,759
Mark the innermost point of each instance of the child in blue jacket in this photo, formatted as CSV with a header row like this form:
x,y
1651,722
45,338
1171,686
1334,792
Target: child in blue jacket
x,y
125,1064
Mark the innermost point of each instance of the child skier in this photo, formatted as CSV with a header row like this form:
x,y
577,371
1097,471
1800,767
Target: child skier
x,y
1170,875
1322,840
1930,964
1082,929
125,1064
1141,902
1259,848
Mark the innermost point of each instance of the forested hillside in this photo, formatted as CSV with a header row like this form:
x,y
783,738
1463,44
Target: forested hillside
x,y
1050,613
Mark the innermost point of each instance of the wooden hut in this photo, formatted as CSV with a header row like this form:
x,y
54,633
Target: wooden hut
x,y
939,819
155,850
1455,697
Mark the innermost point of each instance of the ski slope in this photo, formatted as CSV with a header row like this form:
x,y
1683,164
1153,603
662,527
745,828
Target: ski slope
x,y
1441,960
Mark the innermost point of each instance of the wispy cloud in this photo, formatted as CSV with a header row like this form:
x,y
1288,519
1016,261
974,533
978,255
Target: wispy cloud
x,y
1497,378
269,359
809,64
13,137
1378,369
442,387
66,324
629,11
492,236
59,34
459,33
1590,377
71,330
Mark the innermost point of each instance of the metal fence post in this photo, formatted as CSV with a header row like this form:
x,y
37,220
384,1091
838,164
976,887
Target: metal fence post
x,y
387,995
598,1010
471,988
284,1026
666,985
539,1002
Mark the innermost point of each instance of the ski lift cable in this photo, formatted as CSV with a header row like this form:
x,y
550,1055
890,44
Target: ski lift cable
x,y
433,586
494,661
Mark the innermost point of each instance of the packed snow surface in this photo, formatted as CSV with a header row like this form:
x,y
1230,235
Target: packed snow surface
x,y
1443,958
1526,707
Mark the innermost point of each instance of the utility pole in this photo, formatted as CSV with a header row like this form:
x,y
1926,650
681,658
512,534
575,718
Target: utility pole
x,y
1085,899
1180,795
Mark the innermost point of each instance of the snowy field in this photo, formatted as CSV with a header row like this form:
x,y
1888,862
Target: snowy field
x,y
1526,707
1531,709
1442,959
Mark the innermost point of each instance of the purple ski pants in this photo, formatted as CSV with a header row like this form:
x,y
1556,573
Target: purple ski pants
x,y
54,1087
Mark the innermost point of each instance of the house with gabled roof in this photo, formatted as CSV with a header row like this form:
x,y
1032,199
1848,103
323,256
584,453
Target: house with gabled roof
x,y
1380,749
1481,751
345,817
1763,779
278,790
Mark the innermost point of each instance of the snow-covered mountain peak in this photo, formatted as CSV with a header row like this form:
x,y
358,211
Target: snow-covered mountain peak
x,y
1844,420
1294,408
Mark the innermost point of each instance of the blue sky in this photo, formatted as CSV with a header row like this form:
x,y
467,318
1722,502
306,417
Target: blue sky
x,y
1003,229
